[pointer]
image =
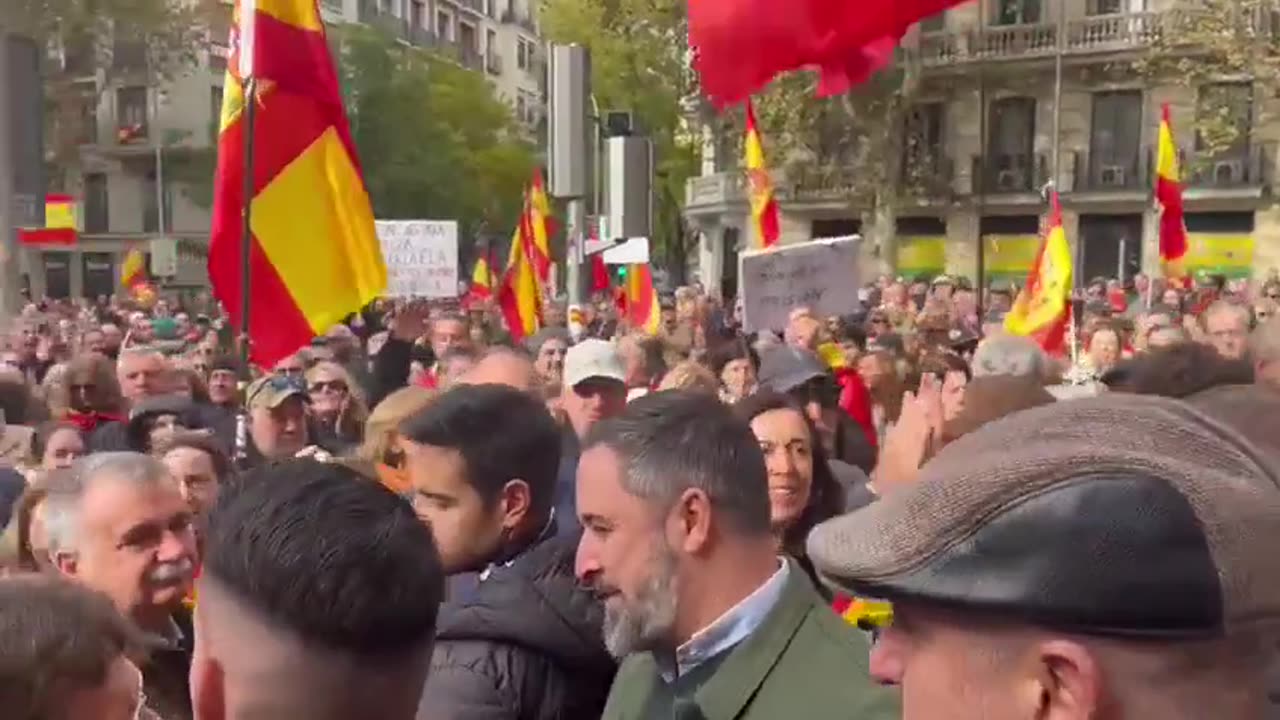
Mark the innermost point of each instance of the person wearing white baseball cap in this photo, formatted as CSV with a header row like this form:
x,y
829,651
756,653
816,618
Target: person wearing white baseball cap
x,y
594,389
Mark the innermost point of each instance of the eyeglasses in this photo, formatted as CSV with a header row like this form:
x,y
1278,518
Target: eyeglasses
x,y
336,386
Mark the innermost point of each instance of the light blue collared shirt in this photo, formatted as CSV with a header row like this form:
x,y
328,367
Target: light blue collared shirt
x,y
731,628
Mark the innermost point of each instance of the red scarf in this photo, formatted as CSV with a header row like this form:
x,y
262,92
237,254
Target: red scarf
x,y
88,422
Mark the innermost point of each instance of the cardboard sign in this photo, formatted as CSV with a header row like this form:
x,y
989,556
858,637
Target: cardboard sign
x,y
421,257
821,275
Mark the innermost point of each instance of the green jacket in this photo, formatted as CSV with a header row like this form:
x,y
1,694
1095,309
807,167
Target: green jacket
x,y
803,662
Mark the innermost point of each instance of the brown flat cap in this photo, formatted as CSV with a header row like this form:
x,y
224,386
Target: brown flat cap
x,y
1119,515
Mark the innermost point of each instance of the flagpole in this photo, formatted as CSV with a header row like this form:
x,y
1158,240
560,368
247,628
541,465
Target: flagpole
x,y
246,230
983,160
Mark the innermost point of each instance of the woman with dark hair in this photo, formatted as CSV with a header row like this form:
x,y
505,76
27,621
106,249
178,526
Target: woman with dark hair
x,y
735,365
802,489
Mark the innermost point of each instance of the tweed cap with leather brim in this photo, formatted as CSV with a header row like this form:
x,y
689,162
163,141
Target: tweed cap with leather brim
x,y
1121,515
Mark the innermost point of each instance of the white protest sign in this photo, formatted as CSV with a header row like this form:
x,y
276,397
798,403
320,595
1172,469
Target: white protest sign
x,y
821,275
421,257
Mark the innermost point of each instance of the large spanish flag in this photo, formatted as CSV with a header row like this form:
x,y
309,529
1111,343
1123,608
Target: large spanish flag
x,y
1043,308
643,309
314,254
133,270
59,223
1173,229
764,206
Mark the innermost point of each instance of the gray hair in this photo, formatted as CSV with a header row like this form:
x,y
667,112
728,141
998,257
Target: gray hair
x,y
67,489
676,440
1010,355
1242,313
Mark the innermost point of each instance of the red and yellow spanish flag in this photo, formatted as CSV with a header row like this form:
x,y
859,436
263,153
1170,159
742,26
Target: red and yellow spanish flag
x,y
59,223
1043,308
1173,229
134,269
864,614
314,254
542,226
482,280
643,309
764,206
520,296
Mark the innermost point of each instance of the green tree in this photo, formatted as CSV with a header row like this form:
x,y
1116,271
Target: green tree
x,y
92,44
434,140
639,63
1202,44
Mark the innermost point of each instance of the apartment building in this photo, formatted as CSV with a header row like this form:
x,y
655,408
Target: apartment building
x,y
991,66
496,37
138,133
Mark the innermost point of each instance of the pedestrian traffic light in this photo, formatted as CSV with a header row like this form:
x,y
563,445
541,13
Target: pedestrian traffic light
x,y
622,272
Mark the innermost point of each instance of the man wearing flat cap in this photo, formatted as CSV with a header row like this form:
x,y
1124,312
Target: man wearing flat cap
x,y
1110,558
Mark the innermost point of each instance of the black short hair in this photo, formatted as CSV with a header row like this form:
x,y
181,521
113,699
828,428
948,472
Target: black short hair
x,y
341,561
1177,371
56,637
674,440
501,433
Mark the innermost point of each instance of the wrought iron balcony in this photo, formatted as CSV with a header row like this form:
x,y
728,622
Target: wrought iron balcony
x,y
1008,174
1247,168
721,188
927,173
1107,173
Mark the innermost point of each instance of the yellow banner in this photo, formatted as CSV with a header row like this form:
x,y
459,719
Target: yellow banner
x,y
1220,253
1010,255
921,254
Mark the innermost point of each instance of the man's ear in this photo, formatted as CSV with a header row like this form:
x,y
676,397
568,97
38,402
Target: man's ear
x,y
516,502
67,562
208,689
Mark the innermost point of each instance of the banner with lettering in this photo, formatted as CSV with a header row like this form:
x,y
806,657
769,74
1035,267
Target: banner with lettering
x,y
421,257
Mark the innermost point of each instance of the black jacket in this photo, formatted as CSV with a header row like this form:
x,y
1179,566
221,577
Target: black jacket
x,y
525,644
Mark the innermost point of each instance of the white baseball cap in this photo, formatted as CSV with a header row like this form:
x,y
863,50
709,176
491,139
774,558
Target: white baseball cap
x,y
592,358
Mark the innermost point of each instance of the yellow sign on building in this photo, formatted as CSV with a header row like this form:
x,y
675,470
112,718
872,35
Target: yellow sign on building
x,y
1010,257
1229,254
921,255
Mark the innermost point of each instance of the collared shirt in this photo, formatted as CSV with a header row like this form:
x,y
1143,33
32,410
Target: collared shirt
x,y
731,628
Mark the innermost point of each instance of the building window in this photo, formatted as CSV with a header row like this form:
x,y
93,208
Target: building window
x,y
96,216
131,114
1010,161
1105,7
521,108
1016,12
524,54
1114,138
57,274
444,26
417,14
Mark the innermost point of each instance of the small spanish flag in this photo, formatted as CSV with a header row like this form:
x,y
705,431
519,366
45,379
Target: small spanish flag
x,y
864,614
1173,229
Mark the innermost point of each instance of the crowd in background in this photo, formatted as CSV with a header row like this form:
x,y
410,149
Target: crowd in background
x,y
137,455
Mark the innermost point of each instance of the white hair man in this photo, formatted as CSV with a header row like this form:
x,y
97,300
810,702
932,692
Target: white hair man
x,y
117,522
1010,355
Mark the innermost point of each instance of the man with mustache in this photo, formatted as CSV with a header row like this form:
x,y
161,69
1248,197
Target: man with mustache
x,y
117,522
673,499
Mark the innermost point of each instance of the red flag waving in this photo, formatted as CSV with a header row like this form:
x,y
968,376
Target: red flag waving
x,y
845,41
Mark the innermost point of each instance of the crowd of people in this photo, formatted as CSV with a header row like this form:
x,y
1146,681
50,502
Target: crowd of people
x,y
900,511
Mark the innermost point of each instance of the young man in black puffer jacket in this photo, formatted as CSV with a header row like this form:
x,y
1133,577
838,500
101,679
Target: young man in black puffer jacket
x,y
521,640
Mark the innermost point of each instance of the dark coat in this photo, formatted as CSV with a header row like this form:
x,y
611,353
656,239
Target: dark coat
x,y
802,662
525,644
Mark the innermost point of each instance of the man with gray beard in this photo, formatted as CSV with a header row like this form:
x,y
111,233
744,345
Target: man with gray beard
x,y
713,623
117,523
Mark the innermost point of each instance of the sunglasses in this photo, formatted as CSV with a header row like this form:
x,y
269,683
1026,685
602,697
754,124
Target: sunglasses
x,y
337,386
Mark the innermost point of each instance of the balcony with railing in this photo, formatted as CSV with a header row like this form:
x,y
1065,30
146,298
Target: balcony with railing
x,y
716,190
1009,174
927,174
1096,34
1095,173
1249,168
826,183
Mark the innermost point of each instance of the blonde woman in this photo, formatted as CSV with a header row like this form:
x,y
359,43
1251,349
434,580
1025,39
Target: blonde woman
x,y
689,375
336,405
381,446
